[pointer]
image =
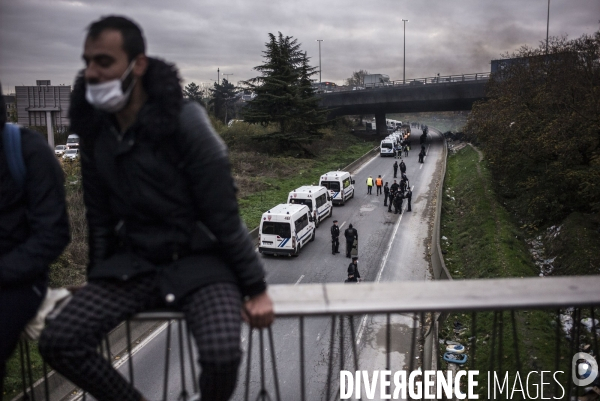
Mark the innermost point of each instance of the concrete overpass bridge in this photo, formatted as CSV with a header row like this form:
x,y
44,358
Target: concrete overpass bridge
x,y
448,93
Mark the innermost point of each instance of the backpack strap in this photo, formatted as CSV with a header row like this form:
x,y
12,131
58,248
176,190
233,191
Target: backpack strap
x,y
11,138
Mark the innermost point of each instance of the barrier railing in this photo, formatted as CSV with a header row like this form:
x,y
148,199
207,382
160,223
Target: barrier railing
x,y
505,326
437,80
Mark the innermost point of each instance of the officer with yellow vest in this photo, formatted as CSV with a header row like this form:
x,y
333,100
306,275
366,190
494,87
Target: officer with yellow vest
x,y
370,185
379,184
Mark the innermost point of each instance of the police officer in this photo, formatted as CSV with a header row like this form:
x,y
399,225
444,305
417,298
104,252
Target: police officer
x,y
353,274
396,168
403,185
386,193
402,167
398,202
379,184
408,197
351,234
335,238
393,190
369,185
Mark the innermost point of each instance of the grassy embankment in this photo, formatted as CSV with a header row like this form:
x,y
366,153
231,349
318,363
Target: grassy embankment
x,y
264,177
484,241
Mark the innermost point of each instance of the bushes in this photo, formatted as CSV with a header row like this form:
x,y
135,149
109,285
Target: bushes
x,y
540,130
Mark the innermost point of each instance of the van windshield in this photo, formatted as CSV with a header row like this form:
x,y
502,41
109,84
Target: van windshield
x,y
307,202
332,185
72,140
276,228
387,145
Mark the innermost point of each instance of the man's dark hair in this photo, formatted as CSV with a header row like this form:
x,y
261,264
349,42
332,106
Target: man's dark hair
x,y
133,39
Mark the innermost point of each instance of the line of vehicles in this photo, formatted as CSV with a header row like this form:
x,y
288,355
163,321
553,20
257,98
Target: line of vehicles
x,y
393,140
70,151
286,228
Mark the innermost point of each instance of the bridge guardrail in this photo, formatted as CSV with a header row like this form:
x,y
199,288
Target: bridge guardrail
x,y
415,82
420,301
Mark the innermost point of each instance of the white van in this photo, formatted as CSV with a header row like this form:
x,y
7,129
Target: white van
x,y
73,141
340,185
316,198
285,229
387,147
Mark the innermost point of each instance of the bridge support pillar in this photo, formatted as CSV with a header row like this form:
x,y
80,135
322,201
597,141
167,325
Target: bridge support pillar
x,y
380,124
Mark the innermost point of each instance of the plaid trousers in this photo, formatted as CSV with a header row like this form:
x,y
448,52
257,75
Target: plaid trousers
x,y
69,343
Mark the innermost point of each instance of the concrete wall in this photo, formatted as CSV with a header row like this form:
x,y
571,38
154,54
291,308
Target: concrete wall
x,y
398,99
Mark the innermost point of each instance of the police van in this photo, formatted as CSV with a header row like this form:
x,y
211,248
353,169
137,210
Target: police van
x,y
316,198
285,229
386,148
340,185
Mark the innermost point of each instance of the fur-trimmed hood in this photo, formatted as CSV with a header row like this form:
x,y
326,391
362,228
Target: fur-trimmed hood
x,y
159,116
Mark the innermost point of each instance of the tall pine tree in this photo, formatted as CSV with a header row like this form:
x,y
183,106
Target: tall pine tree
x,y
284,94
222,98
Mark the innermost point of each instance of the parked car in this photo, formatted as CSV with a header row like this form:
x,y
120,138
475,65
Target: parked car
x,y
59,150
71,154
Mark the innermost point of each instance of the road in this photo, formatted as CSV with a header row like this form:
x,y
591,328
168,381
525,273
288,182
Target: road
x,y
391,248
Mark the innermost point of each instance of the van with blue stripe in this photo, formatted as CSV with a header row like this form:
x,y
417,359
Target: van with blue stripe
x,y
340,185
285,229
316,198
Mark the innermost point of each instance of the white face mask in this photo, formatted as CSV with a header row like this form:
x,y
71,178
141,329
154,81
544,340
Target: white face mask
x,y
108,96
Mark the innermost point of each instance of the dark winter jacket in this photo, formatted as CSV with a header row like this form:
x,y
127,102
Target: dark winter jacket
x,y
34,228
402,167
351,234
353,274
161,197
335,231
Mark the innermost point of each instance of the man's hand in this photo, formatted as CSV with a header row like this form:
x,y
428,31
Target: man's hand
x,y
258,311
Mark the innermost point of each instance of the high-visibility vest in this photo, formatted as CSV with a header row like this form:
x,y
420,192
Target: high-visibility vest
x,y
379,182
370,182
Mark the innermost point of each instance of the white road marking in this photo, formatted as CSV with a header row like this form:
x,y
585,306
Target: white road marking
x,y
363,322
135,350
342,225
300,279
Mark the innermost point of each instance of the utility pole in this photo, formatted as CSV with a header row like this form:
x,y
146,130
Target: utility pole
x,y
404,56
319,40
218,76
227,76
547,27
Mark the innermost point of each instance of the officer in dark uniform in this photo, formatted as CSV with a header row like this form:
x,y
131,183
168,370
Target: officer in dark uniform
x,y
403,186
335,238
350,235
353,274
408,197
395,169
398,202
393,189
402,167
386,193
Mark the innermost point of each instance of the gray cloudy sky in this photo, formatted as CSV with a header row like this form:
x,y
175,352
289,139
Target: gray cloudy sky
x,y
42,39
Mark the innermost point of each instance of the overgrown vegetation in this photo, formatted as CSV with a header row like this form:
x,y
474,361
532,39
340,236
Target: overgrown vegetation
x,y
540,130
484,241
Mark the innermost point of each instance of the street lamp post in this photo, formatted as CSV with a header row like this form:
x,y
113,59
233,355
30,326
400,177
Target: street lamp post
x,y
319,40
547,27
404,56
218,76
